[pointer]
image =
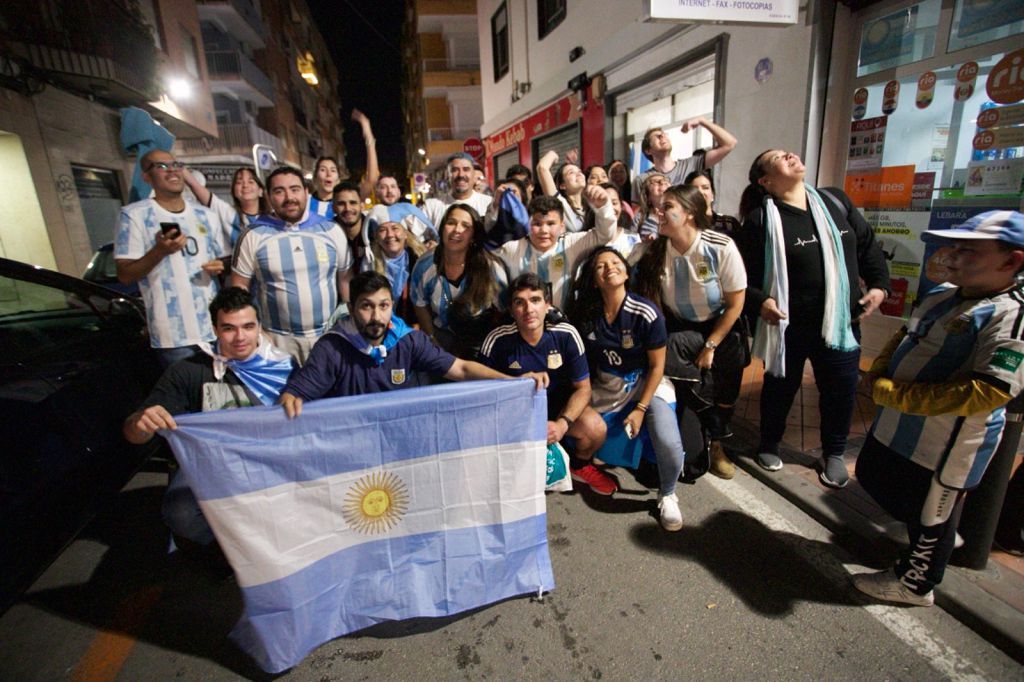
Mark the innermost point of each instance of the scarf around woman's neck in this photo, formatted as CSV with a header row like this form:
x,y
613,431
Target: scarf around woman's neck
x,y
397,270
770,340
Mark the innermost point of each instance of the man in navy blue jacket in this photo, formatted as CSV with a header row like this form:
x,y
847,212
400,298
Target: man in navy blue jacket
x,y
371,351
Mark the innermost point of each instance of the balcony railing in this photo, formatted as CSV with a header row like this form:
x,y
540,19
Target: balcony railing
x,y
234,138
464,64
222,64
240,17
437,134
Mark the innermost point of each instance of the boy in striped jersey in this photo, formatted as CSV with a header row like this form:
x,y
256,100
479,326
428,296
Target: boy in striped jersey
x,y
942,384
531,345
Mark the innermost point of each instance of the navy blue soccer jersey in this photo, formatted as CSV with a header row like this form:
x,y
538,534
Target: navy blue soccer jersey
x,y
560,353
618,351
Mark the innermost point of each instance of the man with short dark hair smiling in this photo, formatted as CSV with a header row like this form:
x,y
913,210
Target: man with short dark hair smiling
x,y
370,351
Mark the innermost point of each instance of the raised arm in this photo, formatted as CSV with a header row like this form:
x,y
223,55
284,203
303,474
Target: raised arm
x,y
203,195
725,141
372,174
544,176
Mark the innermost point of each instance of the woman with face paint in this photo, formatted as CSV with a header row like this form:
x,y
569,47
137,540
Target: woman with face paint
x,y
696,277
806,251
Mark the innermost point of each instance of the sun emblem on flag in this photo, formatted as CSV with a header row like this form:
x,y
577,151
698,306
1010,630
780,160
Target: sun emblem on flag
x,y
375,503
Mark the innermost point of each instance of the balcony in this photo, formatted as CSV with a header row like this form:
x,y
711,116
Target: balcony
x,y
234,139
460,134
238,17
232,73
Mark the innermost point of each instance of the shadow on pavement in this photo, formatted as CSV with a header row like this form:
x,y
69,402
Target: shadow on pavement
x,y
770,571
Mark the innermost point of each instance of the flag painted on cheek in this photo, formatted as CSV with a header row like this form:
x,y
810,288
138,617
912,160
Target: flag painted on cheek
x,y
420,502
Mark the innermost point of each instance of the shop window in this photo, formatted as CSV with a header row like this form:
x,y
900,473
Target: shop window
x,y
99,193
562,141
976,22
550,13
900,37
499,41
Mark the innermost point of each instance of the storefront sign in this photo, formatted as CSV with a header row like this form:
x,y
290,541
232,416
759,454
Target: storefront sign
x,y
966,76
890,97
723,11
925,90
860,104
891,187
1001,176
867,142
921,194
889,39
899,236
1001,116
998,138
1005,83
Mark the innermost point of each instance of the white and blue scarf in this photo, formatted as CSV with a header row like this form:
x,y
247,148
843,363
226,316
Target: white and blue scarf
x,y
397,330
836,330
265,372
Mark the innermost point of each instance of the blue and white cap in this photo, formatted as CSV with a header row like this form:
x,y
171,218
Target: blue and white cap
x,y
1004,226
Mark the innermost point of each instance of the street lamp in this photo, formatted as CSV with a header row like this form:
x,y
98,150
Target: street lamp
x,y
421,151
179,88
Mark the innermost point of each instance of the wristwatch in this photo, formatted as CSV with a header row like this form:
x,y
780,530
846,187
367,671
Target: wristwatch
x,y
710,345
568,422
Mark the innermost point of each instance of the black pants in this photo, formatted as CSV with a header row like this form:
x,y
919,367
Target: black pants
x,y
703,391
901,488
836,374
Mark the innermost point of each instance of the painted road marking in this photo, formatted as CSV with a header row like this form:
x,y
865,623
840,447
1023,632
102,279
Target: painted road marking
x,y
898,621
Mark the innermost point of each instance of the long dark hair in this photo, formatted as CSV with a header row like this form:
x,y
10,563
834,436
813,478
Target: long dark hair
x,y
482,291
585,305
754,194
652,263
264,206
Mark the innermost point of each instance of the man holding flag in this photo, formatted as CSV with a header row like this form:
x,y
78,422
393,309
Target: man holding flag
x,y
243,369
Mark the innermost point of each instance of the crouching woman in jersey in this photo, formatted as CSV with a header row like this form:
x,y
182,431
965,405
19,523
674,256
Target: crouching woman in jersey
x,y
697,278
625,339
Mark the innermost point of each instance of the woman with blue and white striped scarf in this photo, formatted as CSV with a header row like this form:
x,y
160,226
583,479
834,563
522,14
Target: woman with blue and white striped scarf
x,y
806,252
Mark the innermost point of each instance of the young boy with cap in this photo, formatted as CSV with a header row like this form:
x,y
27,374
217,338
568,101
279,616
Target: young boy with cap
x,y
942,384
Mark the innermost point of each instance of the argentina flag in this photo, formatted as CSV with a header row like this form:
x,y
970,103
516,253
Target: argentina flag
x,y
420,502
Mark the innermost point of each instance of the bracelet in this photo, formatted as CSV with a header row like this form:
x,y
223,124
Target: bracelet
x,y
641,407
568,422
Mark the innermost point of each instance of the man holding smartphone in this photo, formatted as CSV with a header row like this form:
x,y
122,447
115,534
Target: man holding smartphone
x,y
172,248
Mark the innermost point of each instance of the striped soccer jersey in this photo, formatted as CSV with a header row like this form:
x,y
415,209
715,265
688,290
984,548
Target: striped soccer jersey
x,y
297,267
177,291
951,338
618,352
693,284
428,289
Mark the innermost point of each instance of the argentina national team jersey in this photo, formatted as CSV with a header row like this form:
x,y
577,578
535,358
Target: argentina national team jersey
x,y
428,289
297,268
177,292
321,207
949,339
618,352
694,283
560,353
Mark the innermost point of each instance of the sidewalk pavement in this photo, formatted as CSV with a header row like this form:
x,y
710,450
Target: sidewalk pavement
x,y
990,601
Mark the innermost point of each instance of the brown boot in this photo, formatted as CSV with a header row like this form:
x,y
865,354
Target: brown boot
x,y
721,466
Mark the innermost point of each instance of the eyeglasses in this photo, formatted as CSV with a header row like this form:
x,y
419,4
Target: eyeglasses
x,y
166,166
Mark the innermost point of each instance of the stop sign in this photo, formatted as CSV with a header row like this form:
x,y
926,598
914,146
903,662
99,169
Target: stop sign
x,y
474,147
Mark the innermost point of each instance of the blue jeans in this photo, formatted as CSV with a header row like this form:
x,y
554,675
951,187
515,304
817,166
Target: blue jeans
x,y
169,356
663,429
182,514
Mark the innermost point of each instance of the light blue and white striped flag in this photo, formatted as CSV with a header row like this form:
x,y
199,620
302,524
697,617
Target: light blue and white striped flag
x,y
419,502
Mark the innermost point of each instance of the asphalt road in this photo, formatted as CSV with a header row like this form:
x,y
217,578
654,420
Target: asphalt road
x,y
751,588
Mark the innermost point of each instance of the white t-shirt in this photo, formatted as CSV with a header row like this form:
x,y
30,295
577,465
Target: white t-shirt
x,y
435,207
177,292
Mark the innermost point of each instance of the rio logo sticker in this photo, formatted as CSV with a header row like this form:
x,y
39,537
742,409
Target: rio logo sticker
x,y
1005,84
925,89
860,103
890,97
965,78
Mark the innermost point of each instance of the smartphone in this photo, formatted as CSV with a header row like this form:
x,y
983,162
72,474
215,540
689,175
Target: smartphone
x,y
858,310
170,230
629,431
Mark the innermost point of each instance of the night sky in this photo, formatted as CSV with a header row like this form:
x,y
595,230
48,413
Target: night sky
x,y
365,39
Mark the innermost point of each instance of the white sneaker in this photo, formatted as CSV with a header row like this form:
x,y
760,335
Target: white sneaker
x,y
669,515
885,586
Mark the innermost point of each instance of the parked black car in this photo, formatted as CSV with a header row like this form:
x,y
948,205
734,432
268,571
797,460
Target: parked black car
x,y
103,270
74,362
